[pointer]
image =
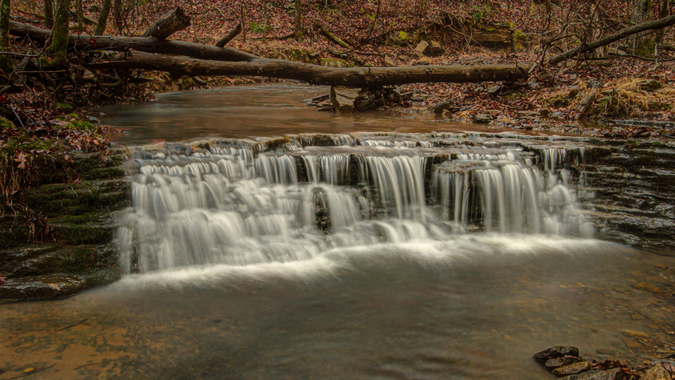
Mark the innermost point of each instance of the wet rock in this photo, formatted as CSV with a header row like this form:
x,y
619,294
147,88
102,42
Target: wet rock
x,y
442,106
572,368
315,101
562,361
648,287
650,85
483,118
555,352
657,372
599,374
343,99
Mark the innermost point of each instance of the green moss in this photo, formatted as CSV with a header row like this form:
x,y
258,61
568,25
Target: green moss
x,y
65,106
6,124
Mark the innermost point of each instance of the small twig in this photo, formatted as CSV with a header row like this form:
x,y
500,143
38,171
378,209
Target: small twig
x,y
67,327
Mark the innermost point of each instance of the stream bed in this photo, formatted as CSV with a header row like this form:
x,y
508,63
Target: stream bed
x,y
267,240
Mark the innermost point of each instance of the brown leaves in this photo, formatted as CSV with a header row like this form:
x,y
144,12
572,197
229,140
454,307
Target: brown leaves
x,y
22,159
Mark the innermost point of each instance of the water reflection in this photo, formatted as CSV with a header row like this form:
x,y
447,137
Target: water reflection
x,y
251,111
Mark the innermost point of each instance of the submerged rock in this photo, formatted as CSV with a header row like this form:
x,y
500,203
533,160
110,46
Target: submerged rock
x,y
648,287
556,352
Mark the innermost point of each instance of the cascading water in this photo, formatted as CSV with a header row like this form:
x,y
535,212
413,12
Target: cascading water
x,y
241,202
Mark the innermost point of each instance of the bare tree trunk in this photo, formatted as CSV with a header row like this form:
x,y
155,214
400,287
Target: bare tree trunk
x,y
233,33
80,17
49,14
665,8
639,15
59,45
168,24
298,19
5,60
102,18
117,14
148,44
266,24
243,22
621,34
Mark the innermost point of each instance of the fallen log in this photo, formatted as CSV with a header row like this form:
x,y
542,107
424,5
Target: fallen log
x,y
356,77
146,44
230,36
623,33
168,24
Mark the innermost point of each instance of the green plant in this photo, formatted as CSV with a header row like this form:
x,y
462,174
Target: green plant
x,y
480,13
259,28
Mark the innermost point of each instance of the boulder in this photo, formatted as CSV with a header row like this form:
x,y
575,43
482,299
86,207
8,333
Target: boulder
x,y
343,98
555,352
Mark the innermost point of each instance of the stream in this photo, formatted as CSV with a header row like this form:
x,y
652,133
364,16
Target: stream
x,y
266,240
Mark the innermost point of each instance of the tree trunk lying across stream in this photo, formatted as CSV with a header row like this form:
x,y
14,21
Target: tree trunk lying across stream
x,y
318,75
214,60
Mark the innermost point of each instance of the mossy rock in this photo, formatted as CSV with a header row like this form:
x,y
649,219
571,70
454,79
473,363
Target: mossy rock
x,y
78,198
65,106
49,258
6,124
55,285
333,62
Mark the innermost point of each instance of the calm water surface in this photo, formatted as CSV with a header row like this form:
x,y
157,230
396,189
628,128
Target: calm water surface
x,y
251,111
464,306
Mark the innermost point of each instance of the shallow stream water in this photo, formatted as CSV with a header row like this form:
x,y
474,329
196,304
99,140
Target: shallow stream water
x,y
401,254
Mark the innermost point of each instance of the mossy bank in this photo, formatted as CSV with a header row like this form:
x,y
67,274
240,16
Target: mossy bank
x,y
57,235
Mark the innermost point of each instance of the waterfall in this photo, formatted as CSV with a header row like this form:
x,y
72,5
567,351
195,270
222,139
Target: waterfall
x,y
241,202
